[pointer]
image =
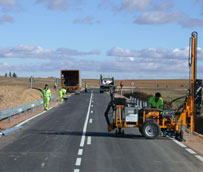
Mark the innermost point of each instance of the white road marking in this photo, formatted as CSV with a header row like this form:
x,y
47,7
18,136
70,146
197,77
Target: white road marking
x,y
180,144
191,151
78,161
76,170
91,111
89,140
80,151
92,106
199,157
90,121
82,142
20,124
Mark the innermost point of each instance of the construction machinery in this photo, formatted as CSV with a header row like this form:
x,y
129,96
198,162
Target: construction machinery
x,y
70,80
106,83
152,122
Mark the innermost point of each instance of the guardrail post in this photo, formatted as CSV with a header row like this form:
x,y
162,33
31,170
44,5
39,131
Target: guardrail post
x,y
34,109
141,103
39,107
9,119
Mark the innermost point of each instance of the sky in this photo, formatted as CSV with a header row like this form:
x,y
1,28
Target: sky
x,y
127,39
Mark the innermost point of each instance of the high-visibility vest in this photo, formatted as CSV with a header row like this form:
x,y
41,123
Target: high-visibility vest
x,y
63,90
46,93
159,104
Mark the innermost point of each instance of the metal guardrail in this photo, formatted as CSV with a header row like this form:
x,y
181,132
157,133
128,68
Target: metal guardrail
x,y
24,108
138,102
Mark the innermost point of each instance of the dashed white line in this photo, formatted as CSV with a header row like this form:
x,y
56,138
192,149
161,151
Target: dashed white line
x,y
92,106
82,142
76,170
180,144
199,157
89,140
90,121
80,151
91,111
78,161
191,151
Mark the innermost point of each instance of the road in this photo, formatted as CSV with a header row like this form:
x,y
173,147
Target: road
x,y
73,137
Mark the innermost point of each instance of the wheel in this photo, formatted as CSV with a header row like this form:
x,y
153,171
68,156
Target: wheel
x,y
150,130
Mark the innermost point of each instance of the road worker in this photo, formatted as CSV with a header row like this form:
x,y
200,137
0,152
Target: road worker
x,y
121,84
46,95
86,87
55,85
156,102
62,92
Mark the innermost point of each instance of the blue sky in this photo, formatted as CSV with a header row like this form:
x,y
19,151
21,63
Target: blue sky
x,y
127,39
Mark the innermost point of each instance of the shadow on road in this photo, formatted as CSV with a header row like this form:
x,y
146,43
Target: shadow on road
x,y
93,134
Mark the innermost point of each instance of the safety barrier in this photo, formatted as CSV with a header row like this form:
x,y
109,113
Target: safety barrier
x,y
24,108
138,102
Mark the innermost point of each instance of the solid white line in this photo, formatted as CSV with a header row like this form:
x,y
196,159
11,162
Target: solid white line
x,y
30,119
89,140
76,170
20,124
82,142
179,143
191,151
78,161
199,157
80,151
90,121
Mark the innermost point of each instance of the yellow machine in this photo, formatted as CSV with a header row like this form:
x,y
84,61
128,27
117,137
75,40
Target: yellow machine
x,y
151,121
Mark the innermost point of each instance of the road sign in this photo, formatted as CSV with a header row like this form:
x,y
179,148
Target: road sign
x,y
132,83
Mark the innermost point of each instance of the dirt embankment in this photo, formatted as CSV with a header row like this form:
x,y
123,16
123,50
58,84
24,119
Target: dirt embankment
x,y
16,91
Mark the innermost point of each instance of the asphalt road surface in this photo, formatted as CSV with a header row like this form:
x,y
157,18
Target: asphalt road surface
x,y
73,137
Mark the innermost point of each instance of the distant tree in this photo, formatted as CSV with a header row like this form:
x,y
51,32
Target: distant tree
x,y
14,75
10,75
6,75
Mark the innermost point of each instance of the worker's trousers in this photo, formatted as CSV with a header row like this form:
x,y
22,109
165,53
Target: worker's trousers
x,y
61,99
46,102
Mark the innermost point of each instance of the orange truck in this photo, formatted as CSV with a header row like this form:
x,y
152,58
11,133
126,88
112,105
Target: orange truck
x,y
70,80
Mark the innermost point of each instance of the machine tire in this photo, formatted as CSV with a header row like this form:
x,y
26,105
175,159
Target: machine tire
x,y
150,130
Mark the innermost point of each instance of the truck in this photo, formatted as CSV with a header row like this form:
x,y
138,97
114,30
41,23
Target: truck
x,y
70,80
106,83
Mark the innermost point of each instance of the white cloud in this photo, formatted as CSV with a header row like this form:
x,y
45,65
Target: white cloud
x,y
24,51
6,19
157,17
135,4
8,2
188,22
55,4
142,64
87,20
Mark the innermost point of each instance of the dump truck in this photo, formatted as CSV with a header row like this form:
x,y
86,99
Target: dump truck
x,y
70,80
106,83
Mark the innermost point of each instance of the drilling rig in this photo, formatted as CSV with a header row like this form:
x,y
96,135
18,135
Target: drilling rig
x,y
151,122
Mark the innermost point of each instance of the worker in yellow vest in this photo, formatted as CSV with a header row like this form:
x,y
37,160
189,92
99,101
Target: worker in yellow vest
x,y
46,95
62,92
86,87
